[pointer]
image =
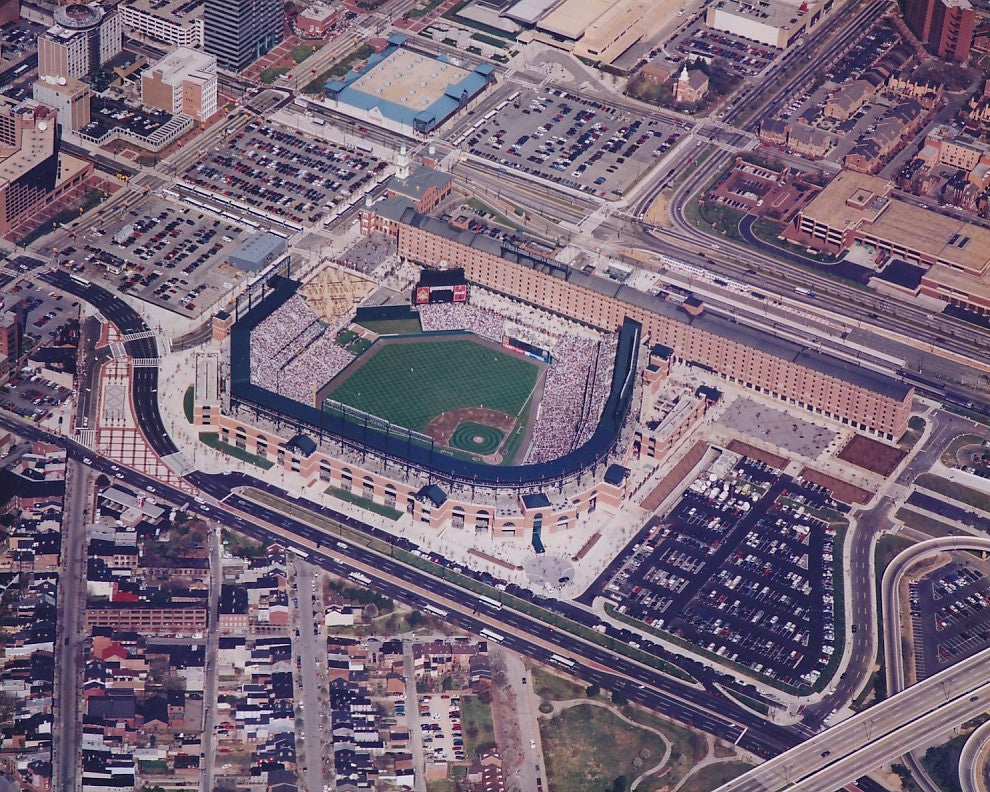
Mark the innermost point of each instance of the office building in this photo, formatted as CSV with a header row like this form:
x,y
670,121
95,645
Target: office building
x,y
775,23
184,81
238,32
945,27
173,22
70,98
856,208
32,171
83,38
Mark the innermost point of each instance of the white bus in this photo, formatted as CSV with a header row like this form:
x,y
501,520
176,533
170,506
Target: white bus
x,y
361,578
491,635
77,279
297,552
566,662
491,603
437,611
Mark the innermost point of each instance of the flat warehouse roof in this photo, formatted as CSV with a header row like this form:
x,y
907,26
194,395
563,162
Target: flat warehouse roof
x,y
528,12
571,19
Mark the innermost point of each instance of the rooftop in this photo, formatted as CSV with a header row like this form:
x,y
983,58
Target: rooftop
x,y
857,200
572,18
183,62
774,13
410,87
37,140
409,79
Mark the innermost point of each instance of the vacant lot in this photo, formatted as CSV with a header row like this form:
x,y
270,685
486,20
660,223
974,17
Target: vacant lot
x,y
588,747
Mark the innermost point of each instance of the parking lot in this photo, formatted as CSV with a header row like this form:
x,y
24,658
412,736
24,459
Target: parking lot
x,y
282,173
866,51
31,394
19,40
168,255
440,722
950,613
742,568
740,55
580,143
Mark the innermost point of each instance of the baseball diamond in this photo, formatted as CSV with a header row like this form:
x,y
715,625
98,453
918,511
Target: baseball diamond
x,y
465,392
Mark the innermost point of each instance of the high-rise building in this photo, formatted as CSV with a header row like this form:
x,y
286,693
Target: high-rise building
x,y
952,29
945,27
184,81
239,32
69,96
11,328
83,38
33,172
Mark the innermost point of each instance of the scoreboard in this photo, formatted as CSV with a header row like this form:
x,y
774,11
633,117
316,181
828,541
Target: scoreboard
x,y
441,287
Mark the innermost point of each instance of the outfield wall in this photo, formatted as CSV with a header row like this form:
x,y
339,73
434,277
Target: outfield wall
x,y
398,446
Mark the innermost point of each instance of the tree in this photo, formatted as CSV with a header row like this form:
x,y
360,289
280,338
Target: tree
x,y
592,691
619,698
415,619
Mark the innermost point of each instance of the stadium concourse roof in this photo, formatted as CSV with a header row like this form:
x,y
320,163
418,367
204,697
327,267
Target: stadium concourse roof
x,y
396,442
707,320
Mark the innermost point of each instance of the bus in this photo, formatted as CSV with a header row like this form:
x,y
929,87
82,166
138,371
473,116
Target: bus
x,y
77,279
364,147
297,552
566,662
361,578
491,603
437,611
491,635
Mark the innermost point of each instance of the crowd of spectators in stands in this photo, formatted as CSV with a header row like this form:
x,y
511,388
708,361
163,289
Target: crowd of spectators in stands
x,y
462,316
574,393
293,354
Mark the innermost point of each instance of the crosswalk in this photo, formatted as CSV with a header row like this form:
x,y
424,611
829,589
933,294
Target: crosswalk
x,y
117,350
139,335
86,437
146,362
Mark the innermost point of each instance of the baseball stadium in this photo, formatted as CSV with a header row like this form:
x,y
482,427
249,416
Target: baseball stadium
x,y
448,383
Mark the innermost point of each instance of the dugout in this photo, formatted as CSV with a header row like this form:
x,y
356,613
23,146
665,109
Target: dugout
x,y
367,434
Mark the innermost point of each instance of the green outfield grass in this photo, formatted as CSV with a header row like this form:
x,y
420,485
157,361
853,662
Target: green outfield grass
x,y
410,384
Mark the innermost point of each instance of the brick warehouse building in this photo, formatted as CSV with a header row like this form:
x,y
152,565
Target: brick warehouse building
x,y
822,384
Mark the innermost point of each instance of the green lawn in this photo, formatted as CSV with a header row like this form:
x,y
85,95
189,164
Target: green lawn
x,y
364,503
187,404
393,326
713,776
212,439
476,718
272,73
929,525
555,688
409,384
303,51
950,489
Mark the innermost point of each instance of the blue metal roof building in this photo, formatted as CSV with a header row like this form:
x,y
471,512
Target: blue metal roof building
x,y
424,120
